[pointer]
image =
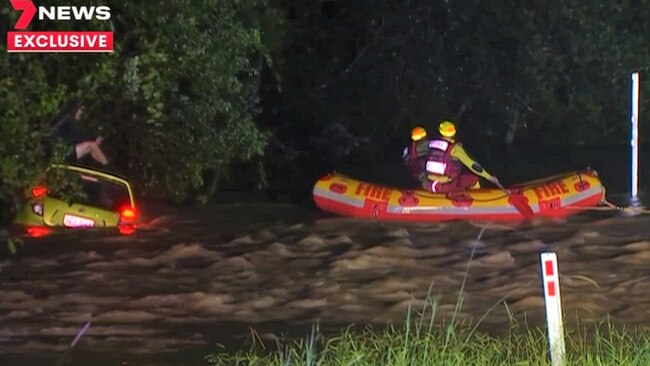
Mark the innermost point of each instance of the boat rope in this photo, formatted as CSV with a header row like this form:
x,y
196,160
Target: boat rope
x,y
491,199
605,206
608,206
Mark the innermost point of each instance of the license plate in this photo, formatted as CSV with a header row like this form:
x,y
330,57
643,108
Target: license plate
x,y
76,221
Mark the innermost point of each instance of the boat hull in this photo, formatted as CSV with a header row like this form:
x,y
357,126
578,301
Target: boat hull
x,y
557,196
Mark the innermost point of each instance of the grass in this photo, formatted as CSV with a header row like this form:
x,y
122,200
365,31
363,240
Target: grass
x,y
424,341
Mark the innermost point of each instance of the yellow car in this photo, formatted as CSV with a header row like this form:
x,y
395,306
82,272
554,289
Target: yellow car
x,y
100,200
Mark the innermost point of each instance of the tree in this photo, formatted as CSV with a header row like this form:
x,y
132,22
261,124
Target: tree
x,y
505,70
178,98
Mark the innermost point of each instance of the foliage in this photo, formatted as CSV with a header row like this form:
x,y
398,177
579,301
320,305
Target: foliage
x,y
177,100
505,70
188,80
422,343
180,100
25,105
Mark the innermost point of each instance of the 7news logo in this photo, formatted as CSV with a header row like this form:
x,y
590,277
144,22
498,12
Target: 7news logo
x,y
58,41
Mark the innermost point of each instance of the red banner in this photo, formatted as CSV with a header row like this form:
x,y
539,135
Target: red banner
x,y
60,41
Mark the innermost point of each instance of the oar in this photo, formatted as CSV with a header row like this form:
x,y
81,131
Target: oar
x,y
518,202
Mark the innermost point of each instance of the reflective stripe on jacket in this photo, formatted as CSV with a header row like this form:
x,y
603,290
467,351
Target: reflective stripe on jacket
x,y
440,161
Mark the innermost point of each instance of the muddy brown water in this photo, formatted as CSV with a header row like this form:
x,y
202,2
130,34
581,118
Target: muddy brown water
x,y
195,278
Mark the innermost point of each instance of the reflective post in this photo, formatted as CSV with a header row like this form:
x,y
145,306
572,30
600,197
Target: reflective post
x,y
553,305
634,120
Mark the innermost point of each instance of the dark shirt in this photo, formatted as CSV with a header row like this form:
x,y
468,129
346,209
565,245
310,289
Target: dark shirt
x,y
69,131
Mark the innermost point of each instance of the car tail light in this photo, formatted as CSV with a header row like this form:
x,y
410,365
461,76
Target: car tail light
x,y
39,191
126,229
128,215
37,231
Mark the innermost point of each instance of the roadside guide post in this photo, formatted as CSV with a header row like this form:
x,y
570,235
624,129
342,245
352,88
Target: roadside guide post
x,y
634,143
554,322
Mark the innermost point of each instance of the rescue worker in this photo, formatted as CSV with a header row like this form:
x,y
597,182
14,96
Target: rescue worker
x,y
416,154
448,164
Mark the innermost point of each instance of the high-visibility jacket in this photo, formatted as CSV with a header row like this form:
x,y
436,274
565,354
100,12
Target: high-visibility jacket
x,y
446,159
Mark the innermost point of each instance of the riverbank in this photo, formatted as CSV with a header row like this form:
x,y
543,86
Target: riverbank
x,y
422,341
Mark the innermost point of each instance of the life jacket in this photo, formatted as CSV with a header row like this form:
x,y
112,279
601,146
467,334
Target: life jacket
x,y
440,162
415,157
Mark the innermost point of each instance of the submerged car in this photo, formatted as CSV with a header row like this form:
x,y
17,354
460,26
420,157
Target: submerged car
x,y
93,199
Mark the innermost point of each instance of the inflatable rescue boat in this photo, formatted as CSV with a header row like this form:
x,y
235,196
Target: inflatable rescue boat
x,y
557,196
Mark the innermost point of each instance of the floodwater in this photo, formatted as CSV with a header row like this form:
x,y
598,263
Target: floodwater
x,y
194,278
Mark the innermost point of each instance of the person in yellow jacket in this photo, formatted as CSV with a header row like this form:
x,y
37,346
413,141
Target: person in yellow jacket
x,y
416,153
449,167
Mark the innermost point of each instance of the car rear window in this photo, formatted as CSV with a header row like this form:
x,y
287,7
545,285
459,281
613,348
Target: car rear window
x,y
91,190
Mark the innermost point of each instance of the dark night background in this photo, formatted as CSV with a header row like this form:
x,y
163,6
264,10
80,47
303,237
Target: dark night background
x,y
252,100
264,96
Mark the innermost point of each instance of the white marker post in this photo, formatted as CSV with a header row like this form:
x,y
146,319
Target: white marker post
x,y
554,323
634,120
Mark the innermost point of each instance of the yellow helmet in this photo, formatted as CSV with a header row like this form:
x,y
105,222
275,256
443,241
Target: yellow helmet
x,y
447,129
418,133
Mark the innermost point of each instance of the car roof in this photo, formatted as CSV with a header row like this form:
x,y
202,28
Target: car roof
x,y
98,173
